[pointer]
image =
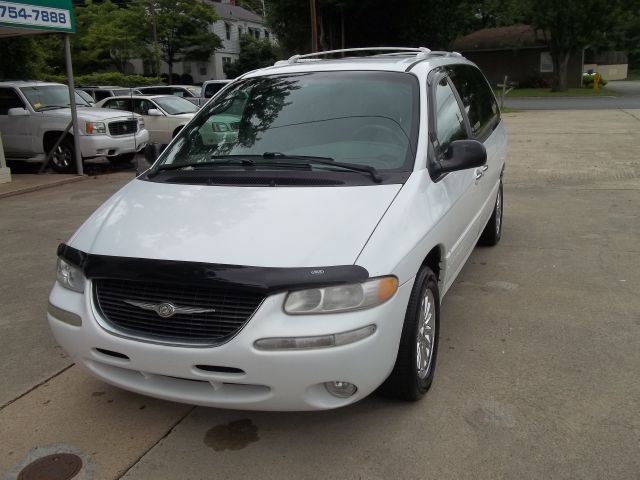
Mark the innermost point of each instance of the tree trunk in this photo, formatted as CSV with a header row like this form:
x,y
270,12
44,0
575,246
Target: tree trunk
x,y
560,64
170,64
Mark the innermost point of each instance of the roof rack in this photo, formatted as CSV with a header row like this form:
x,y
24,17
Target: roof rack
x,y
421,53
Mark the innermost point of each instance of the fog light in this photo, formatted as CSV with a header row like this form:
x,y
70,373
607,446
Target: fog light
x,y
341,389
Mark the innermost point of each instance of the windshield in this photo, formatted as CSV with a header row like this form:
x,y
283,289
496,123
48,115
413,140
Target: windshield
x,y
195,91
361,118
175,105
50,96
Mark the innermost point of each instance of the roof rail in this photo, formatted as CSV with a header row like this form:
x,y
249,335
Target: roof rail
x,y
421,53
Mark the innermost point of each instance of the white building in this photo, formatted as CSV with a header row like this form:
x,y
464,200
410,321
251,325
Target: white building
x,y
233,22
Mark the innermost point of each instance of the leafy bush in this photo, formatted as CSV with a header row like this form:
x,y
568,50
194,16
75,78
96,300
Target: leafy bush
x,y
588,79
107,78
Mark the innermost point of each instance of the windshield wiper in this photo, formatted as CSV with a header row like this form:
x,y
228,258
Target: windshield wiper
x,y
216,160
51,107
309,159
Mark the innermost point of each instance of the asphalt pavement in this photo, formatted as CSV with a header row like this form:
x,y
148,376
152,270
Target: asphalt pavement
x,y
537,374
627,97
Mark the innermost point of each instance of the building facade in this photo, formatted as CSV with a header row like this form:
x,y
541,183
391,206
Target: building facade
x,y
233,22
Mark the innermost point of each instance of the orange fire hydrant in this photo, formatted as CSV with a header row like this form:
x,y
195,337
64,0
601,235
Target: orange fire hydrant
x,y
596,81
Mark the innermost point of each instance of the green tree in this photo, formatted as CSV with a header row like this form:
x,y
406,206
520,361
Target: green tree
x,y
572,25
254,54
109,35
21,58
182,30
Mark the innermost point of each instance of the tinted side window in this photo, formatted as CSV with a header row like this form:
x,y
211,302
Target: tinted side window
x,y
449,119
477,98
179,92
212,89
101,94
9,99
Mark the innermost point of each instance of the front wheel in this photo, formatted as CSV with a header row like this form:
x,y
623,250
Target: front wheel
x,y
493,230
63,159
415,365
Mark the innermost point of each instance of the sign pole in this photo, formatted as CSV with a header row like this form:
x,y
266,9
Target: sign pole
x,y
72,99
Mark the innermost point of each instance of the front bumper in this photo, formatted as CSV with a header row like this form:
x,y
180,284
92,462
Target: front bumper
x,y
107,146
286,380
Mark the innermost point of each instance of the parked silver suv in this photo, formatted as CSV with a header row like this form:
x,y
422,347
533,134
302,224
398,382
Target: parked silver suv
x,y
33,115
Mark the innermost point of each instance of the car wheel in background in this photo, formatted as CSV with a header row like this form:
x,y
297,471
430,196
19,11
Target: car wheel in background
x,y
493,230
415,365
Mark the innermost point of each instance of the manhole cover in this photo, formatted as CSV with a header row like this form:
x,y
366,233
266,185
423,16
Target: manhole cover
x,y
59,466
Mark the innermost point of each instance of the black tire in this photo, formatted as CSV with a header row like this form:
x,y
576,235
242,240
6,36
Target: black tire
x,y
123,159
64,158
493,230
407,380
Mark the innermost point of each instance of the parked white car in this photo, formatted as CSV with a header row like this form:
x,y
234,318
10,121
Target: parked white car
x,y
164,115
192,93
33,115
300,263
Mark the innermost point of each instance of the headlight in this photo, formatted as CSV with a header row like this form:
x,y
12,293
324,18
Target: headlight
x,y
70,277
95,128
341,298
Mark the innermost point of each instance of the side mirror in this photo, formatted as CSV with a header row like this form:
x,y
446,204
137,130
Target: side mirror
x,y
153,151
154,112
461,155
18,112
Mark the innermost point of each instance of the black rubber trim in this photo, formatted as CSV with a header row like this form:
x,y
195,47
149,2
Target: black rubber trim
x,y
262,279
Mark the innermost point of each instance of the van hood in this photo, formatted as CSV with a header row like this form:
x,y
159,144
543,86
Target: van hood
x,y
253,226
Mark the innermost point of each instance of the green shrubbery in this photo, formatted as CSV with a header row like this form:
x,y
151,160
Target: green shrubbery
x,y
588,79
107,78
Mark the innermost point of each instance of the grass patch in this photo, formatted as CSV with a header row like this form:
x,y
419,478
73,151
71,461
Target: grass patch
x,y
509,110
545,92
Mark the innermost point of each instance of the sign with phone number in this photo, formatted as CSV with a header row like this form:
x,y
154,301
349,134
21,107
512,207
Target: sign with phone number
x,y
35,16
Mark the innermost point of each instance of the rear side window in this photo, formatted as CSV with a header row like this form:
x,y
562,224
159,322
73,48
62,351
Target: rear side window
x,y
477,98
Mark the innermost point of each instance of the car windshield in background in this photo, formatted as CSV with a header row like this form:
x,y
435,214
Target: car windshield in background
x,y
175,105
195,91
48,97
361,118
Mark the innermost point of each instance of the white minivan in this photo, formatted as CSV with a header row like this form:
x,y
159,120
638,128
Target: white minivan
x,y
290,248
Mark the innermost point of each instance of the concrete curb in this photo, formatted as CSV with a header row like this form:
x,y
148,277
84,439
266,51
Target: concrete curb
x,y
42,186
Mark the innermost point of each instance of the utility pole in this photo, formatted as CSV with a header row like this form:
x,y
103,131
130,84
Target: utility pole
x,y
156,48
314,27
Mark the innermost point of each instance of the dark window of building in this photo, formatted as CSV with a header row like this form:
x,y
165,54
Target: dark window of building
x,y
477,98
227,29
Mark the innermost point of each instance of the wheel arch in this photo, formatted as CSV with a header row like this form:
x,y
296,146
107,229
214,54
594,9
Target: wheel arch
x,y
50,137
434,260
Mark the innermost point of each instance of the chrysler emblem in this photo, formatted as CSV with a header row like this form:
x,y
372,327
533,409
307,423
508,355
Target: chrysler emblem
x,y
166,309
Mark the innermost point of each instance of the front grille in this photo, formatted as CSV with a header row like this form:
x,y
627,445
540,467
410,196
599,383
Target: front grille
x,y
124,127
233,308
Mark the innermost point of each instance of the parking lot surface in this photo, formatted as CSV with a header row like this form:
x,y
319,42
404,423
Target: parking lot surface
x,y
538,364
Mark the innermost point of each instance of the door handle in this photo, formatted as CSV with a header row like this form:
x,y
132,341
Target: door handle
x,y
480,171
